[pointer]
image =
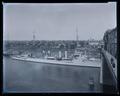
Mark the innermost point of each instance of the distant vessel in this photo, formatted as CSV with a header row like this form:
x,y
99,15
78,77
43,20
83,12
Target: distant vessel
x,y
75,59
47,59
80,61
41,60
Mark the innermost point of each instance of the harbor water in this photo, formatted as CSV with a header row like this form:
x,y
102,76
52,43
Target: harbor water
x,y
23,76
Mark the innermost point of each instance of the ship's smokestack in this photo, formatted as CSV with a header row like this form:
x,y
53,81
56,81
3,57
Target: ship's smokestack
x,y
60,54
65,54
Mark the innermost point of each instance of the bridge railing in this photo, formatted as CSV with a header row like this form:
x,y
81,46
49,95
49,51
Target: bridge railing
x,y
112,63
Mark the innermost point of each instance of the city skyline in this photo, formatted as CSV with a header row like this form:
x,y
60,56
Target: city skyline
x,y
57,21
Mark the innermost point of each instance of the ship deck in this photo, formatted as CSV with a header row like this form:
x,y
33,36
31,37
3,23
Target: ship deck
x,y
75,62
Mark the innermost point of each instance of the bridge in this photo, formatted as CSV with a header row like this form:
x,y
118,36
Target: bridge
x,y
109,72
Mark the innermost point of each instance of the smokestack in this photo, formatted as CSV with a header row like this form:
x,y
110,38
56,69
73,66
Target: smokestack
x,y
60,54
65,54
49,52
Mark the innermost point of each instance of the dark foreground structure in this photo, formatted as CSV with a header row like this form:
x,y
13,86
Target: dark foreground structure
x,y
109,66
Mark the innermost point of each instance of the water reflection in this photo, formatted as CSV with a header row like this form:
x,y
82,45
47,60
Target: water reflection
x,y
58,71
76,76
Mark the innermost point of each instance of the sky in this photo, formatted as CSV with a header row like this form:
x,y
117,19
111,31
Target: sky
x,y
58,21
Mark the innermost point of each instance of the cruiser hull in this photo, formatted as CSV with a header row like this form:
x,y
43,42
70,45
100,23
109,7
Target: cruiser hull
x,y
62,62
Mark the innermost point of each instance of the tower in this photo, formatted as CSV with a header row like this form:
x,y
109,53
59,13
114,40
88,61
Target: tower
x,y
77,36
34,36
